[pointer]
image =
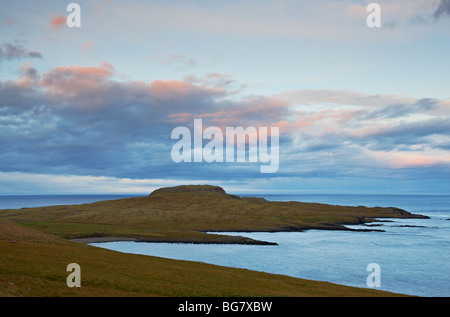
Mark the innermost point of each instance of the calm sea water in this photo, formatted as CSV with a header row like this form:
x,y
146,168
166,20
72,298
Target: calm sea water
x,y
413,254
20,201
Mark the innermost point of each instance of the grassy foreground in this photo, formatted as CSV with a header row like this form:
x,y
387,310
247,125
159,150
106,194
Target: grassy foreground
x,y
35,251
33,263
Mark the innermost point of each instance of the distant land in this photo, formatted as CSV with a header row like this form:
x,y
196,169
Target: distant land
x,y
37,244
186,213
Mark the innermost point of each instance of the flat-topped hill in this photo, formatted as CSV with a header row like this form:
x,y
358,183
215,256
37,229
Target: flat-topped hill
x,y
185,213
35,255
190,189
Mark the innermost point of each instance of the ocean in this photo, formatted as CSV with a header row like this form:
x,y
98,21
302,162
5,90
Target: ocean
x,y
412,256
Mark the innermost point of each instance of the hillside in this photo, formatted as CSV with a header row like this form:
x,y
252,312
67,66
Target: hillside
x,y
36,251
33,264
185,213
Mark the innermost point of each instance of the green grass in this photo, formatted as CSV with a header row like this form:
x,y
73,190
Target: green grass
x,y
33,263
35,251
184,213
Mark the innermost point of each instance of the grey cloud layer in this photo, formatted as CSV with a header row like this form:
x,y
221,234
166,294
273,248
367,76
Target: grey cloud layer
x,y
443,9
11,51
81,120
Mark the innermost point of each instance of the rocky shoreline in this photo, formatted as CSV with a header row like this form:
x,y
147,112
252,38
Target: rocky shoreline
x,y
192,213
235,239
226,240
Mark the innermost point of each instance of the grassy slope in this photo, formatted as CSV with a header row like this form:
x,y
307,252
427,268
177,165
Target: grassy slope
x,y
34,255
184,215
33,263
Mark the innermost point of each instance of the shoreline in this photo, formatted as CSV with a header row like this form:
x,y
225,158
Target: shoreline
x,y
226,239
180,218
188,213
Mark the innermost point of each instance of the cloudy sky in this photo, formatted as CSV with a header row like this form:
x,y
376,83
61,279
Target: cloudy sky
x,y
91,109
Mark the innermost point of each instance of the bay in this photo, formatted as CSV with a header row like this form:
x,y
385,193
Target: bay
x,y
413,254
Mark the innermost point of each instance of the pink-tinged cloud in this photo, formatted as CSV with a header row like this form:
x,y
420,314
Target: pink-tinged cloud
x,y
101,118
84,85
28,78
57,22
181,117
8,22
410,159
95,86
370,131
70,76
98,8
370,117
165,89
177,90
87,46
186,117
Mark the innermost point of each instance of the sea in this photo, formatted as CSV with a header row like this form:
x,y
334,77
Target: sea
x,y
409,256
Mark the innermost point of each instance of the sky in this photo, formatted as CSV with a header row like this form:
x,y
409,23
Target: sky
x,y
91,109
